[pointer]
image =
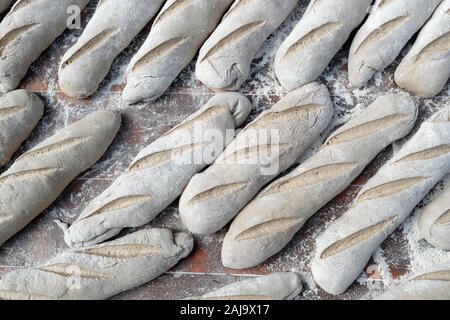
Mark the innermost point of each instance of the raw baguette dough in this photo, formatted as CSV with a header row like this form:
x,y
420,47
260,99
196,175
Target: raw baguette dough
x,y
269,222
254,158
382,205
102,271
387,30
20,112
4,4
37,178
275,286
426,68
320,34
177,34
431,285
111,29
28,29
434,223
160,172
225,58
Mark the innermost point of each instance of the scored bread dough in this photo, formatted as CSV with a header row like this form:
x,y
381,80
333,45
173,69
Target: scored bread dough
x,y
176,35
389,27
315,40
27,30
20,112
112,28
38,176
160,172
101,271
275,286
434,222
261,151
382,205
225,58
268,223
434,284
426,68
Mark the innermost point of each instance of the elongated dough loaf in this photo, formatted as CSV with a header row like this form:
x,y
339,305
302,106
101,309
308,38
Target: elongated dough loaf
x,y
111,29
275,286
28,29
270,221
160,172
38,177
382,205
4,4
434,223
20,112
431,285
225,58
266,147
316,39
101,271
426,68
387,30
177,33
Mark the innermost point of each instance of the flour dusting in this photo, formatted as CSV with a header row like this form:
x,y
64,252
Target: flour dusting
x,y
402,255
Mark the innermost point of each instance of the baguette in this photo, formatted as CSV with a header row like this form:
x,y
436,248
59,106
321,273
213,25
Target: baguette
x,y
265,148
431,285
177,33
382,205
268,223
434,223
26,31
426,68
20,112
387,30
112,28
102,271
4,4
160,172
225,58
38,177
320,34
275,286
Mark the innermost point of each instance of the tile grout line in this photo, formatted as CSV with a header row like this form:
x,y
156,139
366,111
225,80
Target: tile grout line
x,y
251,94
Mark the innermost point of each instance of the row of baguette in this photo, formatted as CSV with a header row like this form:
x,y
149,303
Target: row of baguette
x,y
103,271
228,43
256,180
38,176
266,220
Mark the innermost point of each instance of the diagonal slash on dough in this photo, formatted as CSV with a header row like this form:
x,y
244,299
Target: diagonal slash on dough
x,y
357,238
